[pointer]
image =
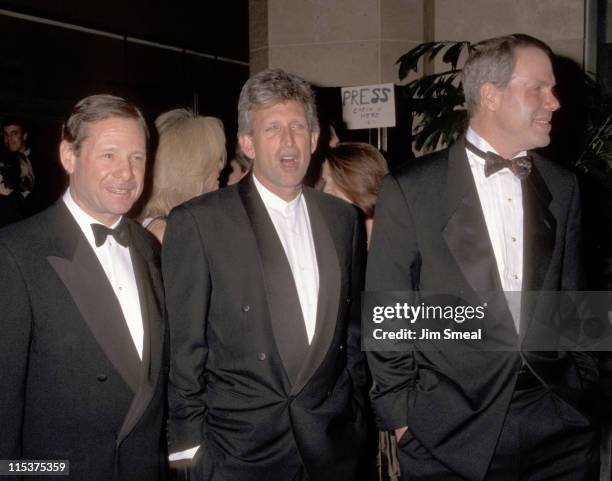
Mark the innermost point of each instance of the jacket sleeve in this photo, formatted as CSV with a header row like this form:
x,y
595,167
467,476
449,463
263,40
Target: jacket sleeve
x,y
187,290
393,265
573,280
15,329
356,360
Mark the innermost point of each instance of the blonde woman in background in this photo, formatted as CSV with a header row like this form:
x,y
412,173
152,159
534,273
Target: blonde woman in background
x,y
190,154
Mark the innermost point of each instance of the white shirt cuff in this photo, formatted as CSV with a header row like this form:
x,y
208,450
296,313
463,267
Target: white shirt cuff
x,y
187,454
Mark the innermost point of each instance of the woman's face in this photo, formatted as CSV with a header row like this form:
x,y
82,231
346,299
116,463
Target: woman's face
x,y
329,185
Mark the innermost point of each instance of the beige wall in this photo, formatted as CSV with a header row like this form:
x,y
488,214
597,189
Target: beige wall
x,y
560,23
334,42
356,42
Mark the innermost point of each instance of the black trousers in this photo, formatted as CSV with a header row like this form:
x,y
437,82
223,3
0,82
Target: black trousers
x,y
543,439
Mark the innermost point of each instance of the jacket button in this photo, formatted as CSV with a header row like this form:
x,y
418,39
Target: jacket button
x,y
246,308
348,300
341,347
101,377
261,356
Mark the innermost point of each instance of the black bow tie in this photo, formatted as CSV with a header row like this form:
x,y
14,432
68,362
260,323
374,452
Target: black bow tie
x,y
519,166
120,233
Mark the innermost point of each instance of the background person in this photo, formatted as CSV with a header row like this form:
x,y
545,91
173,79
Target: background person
x,y
240,166
11,201
190,155
354,172
43,179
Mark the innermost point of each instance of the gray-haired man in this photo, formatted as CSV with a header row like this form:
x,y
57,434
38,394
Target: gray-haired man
x,y
263,281
475,219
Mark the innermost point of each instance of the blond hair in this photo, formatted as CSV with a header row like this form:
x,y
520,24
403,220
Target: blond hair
x,y
190,149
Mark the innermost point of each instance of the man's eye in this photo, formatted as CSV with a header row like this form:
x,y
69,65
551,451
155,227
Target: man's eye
x,y
108,155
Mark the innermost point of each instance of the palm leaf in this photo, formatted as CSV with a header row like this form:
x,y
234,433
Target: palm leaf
x,y
410,60
451,56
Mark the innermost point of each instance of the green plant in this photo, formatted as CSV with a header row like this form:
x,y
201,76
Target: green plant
x,y
436,99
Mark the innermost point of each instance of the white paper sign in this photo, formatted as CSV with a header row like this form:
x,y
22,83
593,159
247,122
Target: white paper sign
x,y
368,106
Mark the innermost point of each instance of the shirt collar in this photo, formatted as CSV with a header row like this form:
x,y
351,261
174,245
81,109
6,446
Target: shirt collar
x,y
480,143
83,219
273,201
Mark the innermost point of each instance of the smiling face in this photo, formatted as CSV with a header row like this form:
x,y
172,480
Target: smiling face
x,y
280,145
522,111
106,175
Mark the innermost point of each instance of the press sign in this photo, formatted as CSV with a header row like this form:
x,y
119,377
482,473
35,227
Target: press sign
x,y
368,106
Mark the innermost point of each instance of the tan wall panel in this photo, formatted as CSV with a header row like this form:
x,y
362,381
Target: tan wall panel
x,y
554,21
330,64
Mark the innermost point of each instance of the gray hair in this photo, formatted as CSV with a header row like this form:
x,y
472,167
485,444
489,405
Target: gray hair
x,y
270,87
492,61
95,108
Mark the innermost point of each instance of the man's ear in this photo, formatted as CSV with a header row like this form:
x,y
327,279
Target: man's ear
x,y
246,144
314,138
25,136
490,96
67,156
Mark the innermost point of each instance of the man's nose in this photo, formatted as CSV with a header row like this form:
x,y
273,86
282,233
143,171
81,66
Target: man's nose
x,y
552,102
288,138
124,169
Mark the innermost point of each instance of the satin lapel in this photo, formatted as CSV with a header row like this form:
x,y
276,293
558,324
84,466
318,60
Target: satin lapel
x,y
329,290
539,228
466,232
148,280
283,301
81,272
467,237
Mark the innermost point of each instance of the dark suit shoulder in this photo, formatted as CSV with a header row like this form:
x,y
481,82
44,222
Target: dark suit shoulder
x,y
210,213
149,240
210,200
422,166
330,203
553,172
27,232
423,178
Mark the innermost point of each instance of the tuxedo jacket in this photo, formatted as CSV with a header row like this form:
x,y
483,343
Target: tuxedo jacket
x,y
235,387
72,384
430,235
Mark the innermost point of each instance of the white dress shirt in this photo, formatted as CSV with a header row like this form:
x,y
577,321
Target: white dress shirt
x,y
117,264
501,198
292,225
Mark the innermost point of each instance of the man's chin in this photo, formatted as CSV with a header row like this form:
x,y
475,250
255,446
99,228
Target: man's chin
x,y
119,209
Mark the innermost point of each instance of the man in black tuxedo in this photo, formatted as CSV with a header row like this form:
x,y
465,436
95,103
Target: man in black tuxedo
x,y
262,279
82,344
467,222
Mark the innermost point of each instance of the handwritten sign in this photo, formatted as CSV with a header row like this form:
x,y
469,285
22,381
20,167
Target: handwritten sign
x,y
368,106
